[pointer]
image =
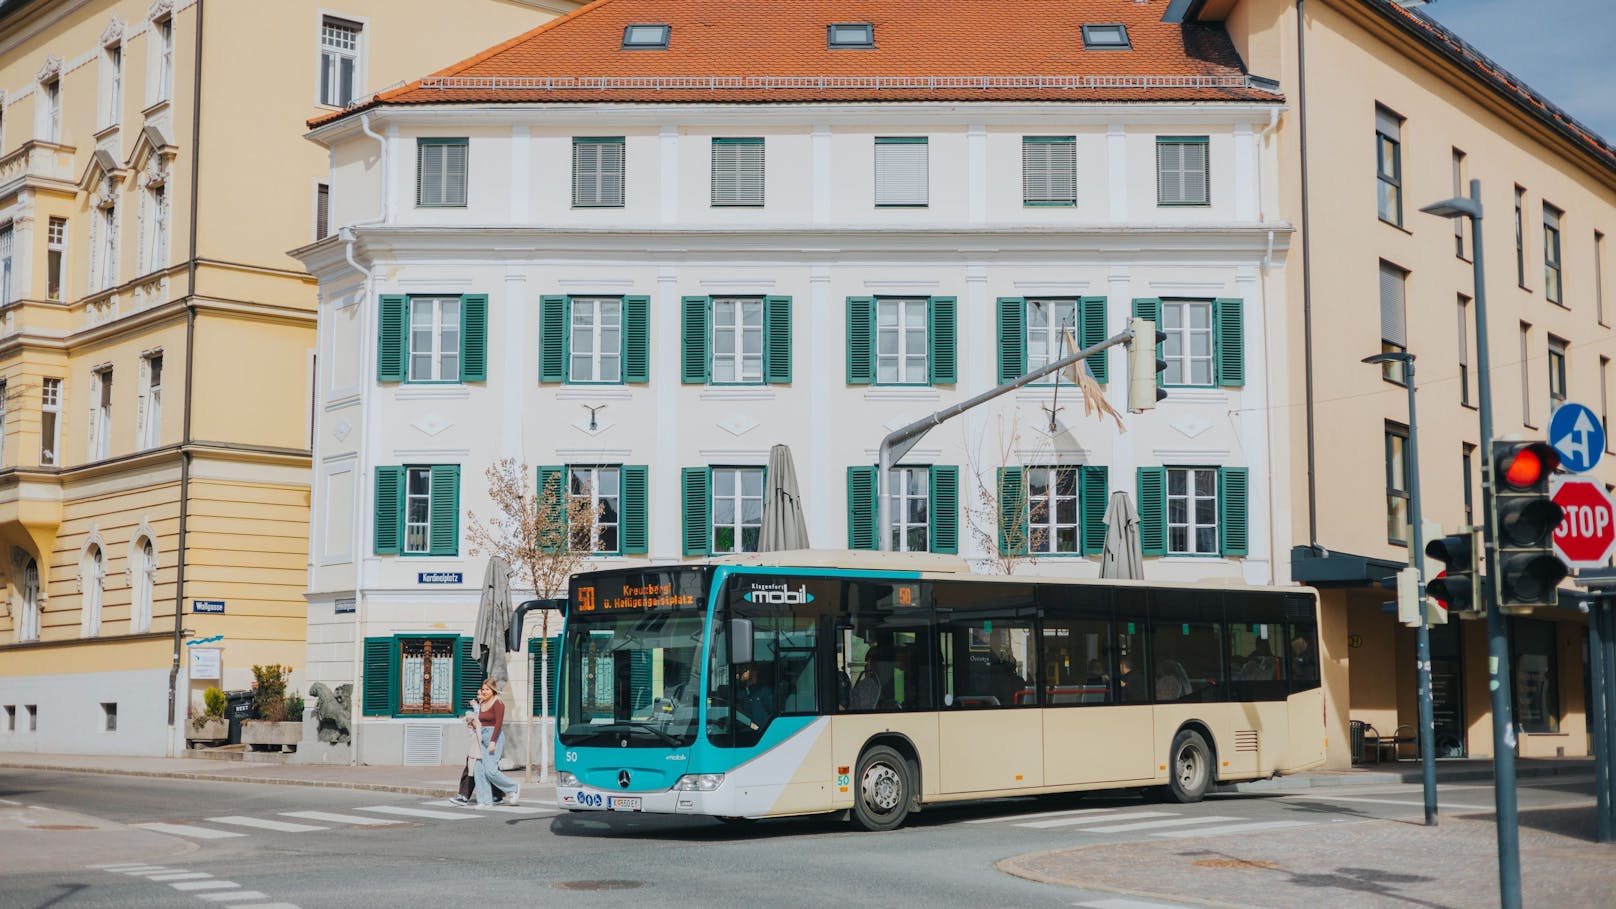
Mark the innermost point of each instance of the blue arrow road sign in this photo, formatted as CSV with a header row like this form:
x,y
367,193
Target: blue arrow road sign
x,y
1578,436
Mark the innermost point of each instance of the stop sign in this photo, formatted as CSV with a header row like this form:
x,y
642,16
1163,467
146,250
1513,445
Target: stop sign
x,y
1587,534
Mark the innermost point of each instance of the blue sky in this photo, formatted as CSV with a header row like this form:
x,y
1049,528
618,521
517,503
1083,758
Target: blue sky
x,y
1562,48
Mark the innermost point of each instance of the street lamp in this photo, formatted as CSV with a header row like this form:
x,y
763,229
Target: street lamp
x,y
1416,550
1509,852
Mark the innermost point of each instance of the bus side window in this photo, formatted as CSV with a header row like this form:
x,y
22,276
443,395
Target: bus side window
x,y
1302,656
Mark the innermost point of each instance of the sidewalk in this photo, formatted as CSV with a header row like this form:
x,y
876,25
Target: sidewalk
x,y
1391,773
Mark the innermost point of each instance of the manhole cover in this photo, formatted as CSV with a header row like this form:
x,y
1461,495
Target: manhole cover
x,y
1233,863
598,885
59,827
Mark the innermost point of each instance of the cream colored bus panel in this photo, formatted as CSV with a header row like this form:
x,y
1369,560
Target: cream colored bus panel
x,y
1098,745
991,749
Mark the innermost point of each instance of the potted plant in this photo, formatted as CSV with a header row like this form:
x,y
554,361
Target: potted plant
x,y
210,725
273,729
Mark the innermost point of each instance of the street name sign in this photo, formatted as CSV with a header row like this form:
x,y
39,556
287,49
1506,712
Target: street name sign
x,y
1587,533
214,607
1578,436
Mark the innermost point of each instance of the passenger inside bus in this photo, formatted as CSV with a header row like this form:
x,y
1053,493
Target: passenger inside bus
x,y
1129,687
754,698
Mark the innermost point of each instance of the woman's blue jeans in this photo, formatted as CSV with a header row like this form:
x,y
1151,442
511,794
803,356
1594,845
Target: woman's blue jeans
x,y
487,770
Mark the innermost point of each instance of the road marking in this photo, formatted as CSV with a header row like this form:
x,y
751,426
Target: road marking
x,y
201,833
1150,825
421,812
1094,818
233,896
118,866
334,818
522,809
177,876
1028,817
11,803
1235,828
1359,798
205,885
1127,904
265,824
145,869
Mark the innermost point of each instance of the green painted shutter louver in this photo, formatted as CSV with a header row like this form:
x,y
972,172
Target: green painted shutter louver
x,y
943,509
637,339
941,338
445,527
552,658
1013,529
860,340
1091,331
635,536
1094,493
1012,338
1150,308
469,673
1229,342
389,527
777,340
474,338
1153,510
552,339
696,488
693,334
1232,513
861,508
391,338
378,681
553,482
639,683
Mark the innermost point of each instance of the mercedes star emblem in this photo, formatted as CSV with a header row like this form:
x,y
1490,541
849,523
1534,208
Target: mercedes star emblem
x,y
622,778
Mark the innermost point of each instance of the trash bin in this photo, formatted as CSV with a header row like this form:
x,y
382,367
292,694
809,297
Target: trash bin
x,y
237,707
1355,727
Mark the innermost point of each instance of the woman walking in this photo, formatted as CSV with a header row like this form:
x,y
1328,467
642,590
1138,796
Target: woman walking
x,y
491,719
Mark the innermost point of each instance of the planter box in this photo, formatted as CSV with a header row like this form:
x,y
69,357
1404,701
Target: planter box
x,y
261,734
214,730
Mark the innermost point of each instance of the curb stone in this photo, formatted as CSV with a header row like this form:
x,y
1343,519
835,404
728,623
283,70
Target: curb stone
x,y
1012,867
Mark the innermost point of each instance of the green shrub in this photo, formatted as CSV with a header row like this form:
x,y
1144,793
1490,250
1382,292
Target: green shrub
x,y
213,701
269,692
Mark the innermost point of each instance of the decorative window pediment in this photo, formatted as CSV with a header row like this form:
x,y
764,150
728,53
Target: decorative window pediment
x,y
113,33
50,70
160,9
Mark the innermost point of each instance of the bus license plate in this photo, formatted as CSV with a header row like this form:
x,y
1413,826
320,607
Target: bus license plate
x,y
616,803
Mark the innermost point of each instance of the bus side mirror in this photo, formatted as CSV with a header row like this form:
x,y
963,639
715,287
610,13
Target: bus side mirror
x,y
740,640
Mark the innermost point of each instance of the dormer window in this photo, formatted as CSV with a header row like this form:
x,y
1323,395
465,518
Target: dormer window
x,y
851,34
646,37
1105,37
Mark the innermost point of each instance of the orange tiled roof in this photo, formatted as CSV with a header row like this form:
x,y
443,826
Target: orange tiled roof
x,y
774,51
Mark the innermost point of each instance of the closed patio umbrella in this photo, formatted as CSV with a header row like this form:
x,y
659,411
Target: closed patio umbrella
x,y
783,524
493,617
1121,557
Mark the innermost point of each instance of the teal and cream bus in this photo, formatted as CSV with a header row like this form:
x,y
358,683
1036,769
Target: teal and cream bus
x,y
876,684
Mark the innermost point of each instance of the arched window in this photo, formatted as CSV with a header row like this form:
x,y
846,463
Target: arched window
x,y
145,580
94,584
28,627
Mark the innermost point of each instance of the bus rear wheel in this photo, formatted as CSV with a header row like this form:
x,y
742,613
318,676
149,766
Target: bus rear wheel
x,y
1189,767
881,801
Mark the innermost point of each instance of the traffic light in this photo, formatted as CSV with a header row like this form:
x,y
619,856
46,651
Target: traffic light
x,y
1528,569
1144,386
1455,587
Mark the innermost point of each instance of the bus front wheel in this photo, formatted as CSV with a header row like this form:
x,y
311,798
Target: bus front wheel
x,y
1189,767
884,789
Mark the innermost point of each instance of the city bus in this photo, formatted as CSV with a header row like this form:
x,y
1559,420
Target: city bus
x,y
876,684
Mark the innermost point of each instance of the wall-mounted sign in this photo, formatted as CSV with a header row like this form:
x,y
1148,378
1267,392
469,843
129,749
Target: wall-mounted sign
x,y
205,663
215,607
438,577
344,605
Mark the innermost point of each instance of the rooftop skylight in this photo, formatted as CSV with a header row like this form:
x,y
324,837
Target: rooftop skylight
x,y
850,34
1105,37
645,37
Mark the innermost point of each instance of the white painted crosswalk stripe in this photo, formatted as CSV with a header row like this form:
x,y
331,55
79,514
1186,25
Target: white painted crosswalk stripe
x,y
199,833
1123,903
205,885
237,820
533,809
462,815
1152,825
1222,829
1027,817
178,876
332,817
232,896
1093,817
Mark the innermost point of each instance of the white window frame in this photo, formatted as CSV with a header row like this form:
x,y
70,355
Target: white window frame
x,y
905,487
1181,171
1056,185
151,411
596,182
1179,349
423,497
1044,522
50,402
440,312
111,85
93,582
157,248
453,187
51,117
902,172
738,173
584,490
737,499
731,322
330,56
892,317
144,584
7,235
162,36
56,245
1044,342
1190,499
107,255
101,414
588,322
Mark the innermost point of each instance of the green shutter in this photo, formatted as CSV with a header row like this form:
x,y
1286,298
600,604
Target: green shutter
x,y
634,530
777,340
378,681
1013,530
553,477
551,658
444,537
637,339
1150,308
860,340
389,510
552,339
639,681
1229,342
474,338
1012,340
1094,493
469,673
1153,510
943,509
391,340
861,510
1232,524
697,483
693,363
1091,331
941,338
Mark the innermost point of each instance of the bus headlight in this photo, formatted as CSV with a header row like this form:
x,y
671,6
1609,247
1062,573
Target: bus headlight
x,y
699,782
566,779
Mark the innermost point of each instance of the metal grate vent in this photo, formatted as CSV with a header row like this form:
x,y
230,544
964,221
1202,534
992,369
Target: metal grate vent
x,y
1245,740
423,745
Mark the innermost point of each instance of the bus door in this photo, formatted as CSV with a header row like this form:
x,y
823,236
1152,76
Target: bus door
x,y
990,730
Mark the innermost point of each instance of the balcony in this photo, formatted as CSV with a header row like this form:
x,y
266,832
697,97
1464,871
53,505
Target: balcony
x,y
38,160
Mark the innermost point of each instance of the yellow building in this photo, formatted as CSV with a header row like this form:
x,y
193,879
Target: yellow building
x,y
157,344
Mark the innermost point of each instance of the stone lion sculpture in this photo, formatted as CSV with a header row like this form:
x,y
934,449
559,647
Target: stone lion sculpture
x,y
333,712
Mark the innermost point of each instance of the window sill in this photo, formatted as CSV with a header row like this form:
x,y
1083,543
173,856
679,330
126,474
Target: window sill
x,y
454,392
738,393
902,393
105,132
1398,227
160,106
1468,406
1195,394
1197,558
593,393
1161,204
1560,304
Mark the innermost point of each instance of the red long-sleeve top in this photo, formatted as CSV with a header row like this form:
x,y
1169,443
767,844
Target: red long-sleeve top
x,y
492,716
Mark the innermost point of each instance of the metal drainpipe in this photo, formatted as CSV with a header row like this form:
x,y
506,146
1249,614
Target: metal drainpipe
x,y
190,350
1307,280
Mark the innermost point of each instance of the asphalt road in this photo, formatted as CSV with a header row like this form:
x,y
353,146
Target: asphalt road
x,y
75,840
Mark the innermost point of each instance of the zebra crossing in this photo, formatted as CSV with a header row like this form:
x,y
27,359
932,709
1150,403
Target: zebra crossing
x,y
230,826
1146,822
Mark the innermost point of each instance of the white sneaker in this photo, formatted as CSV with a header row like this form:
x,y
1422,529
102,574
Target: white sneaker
x,y
512,796
460,800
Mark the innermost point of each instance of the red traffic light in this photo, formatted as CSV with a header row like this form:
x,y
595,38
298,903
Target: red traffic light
x,y
1528,466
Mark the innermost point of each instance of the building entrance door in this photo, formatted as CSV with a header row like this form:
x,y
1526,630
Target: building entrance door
x,y
1447,690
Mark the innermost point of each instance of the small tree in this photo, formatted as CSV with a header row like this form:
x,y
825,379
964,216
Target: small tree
x,y
544,542
1009,543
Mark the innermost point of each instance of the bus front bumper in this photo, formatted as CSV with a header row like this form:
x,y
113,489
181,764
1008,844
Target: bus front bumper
x,y
717,802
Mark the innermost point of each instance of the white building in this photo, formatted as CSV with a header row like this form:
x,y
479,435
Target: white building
x,y
622,248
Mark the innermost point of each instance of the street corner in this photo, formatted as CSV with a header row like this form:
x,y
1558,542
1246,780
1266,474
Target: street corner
x,y
1085,868
41,840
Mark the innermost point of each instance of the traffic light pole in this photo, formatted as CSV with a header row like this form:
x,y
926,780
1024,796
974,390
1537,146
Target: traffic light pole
x,y
1422,654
